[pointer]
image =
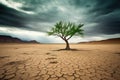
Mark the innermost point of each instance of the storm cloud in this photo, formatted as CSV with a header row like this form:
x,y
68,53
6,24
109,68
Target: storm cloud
x,y
10,17
101,17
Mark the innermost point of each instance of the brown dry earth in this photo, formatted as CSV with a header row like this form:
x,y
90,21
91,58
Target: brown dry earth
x,y
46,62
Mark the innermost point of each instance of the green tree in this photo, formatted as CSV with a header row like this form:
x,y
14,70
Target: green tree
x,y
66,31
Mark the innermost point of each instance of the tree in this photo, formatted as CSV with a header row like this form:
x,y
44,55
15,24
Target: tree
x,y
66,31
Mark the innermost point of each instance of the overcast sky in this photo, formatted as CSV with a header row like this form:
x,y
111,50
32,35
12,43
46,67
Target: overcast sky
x,y
30,19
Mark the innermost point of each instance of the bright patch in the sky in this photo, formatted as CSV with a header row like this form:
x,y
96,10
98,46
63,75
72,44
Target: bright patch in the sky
x,y
15,5
62,8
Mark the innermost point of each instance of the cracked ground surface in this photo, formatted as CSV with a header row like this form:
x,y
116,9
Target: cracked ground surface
x,y
45,62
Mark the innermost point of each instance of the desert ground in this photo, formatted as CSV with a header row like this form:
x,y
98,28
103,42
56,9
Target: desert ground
x,y
47,62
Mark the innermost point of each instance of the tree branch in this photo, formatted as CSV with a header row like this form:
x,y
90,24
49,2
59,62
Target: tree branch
x,y
69,37
60,37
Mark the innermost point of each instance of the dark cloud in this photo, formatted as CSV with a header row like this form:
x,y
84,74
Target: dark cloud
x,y
103,7
108,25
107,16
11,17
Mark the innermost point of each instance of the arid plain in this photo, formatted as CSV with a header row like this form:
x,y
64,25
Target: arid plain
x,y
47,62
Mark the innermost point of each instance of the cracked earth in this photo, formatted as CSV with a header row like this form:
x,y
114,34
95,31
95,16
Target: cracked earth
x,y
46,62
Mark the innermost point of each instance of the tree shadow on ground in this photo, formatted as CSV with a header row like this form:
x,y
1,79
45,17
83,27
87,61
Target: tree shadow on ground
x,y
118,53
71,50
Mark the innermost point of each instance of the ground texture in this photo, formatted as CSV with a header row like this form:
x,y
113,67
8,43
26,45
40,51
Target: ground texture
x,y
47,62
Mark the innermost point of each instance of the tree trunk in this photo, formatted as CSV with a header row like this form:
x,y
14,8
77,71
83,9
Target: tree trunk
x,y
67,45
